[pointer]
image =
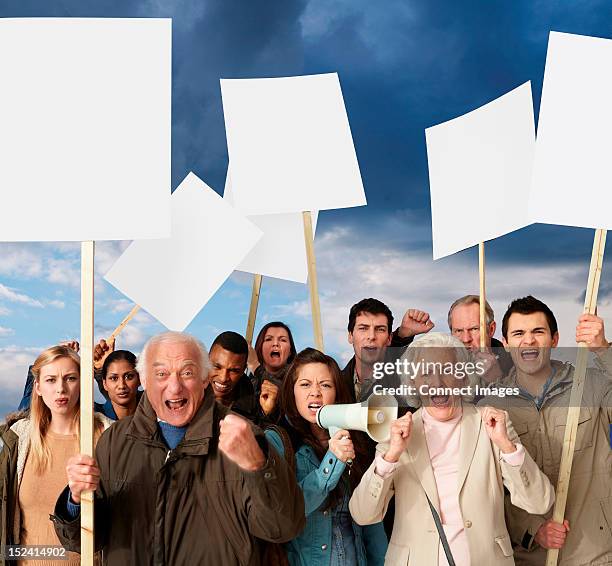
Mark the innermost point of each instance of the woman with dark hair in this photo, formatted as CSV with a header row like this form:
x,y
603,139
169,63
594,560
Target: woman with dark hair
x,y
331,537
274,350
115,374
120,381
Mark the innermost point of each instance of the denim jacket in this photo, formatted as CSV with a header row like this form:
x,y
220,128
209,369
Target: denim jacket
x,y
317,479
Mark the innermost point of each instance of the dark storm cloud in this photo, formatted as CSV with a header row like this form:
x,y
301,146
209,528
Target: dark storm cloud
x,y
228,40
405,66
211,40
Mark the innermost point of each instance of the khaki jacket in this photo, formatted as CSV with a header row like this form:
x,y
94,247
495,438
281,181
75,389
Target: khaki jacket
x,y
482,477
589,501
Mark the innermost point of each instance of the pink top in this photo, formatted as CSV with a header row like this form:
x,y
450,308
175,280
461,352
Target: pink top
x,y
443,439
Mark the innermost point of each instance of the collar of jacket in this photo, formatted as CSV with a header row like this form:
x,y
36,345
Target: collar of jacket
x,y
349,369
244,395
199,432
347,373
276,378
561,381
22,429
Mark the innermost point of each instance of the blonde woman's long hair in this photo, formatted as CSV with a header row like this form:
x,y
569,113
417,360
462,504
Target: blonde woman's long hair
x,y
40,414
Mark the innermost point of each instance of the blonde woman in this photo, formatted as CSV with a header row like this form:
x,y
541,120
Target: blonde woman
x,y
34,453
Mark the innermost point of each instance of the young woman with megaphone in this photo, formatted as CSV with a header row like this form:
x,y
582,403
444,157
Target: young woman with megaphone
x,y
331,537
447,466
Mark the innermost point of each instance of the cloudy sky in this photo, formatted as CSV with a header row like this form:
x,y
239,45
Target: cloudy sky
x,y
404,66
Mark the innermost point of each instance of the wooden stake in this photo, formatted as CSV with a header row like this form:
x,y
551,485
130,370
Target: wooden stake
x,y
86,398
123,324
573,413
257,279
483,297
312,281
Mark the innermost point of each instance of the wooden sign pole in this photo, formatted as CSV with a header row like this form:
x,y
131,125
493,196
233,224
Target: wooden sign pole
x,y
312,281
86,397
257,279
123,324
573,413
483,297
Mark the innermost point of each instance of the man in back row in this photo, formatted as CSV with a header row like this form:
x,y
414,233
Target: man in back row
x,y
539,414
370,332
228,380
464,324
182,481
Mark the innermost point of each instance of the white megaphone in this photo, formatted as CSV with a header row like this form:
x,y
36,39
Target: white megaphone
x,y
373,417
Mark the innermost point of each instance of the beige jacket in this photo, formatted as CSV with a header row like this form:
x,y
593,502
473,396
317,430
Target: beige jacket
x,y
541,432
482,476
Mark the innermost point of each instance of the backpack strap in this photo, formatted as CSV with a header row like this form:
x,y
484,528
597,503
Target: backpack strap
x,y
289,452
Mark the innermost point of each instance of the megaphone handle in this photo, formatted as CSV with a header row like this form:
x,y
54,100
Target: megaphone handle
x,y
333,430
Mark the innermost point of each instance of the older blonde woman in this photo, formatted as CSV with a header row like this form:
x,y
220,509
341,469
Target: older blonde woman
x,y
447,466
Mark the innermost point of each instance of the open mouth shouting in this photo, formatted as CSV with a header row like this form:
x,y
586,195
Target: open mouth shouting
x,y
314,406
530,354
440,400
176,405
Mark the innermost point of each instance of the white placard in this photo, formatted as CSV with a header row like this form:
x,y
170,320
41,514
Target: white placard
x,y
85,127
174,278
281,252
290,145
480,168
572,178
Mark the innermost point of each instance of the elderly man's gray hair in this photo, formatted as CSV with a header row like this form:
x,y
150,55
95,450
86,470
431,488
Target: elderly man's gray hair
x,y
173,338
471,300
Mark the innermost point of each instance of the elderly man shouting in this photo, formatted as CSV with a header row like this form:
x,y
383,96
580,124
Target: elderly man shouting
x,y
183,481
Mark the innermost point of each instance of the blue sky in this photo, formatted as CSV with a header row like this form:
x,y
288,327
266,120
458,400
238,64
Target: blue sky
x,y
403,66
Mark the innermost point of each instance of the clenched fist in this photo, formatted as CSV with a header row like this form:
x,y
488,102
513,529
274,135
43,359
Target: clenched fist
x,y
400,435
238,443
72,344
102,350
495,425
551,534
491,371
83,475
415,322
268,396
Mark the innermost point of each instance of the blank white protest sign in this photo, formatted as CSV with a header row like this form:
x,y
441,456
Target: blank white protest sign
x,y
572,178
174,278
85,121
281,252
480,167
290,145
